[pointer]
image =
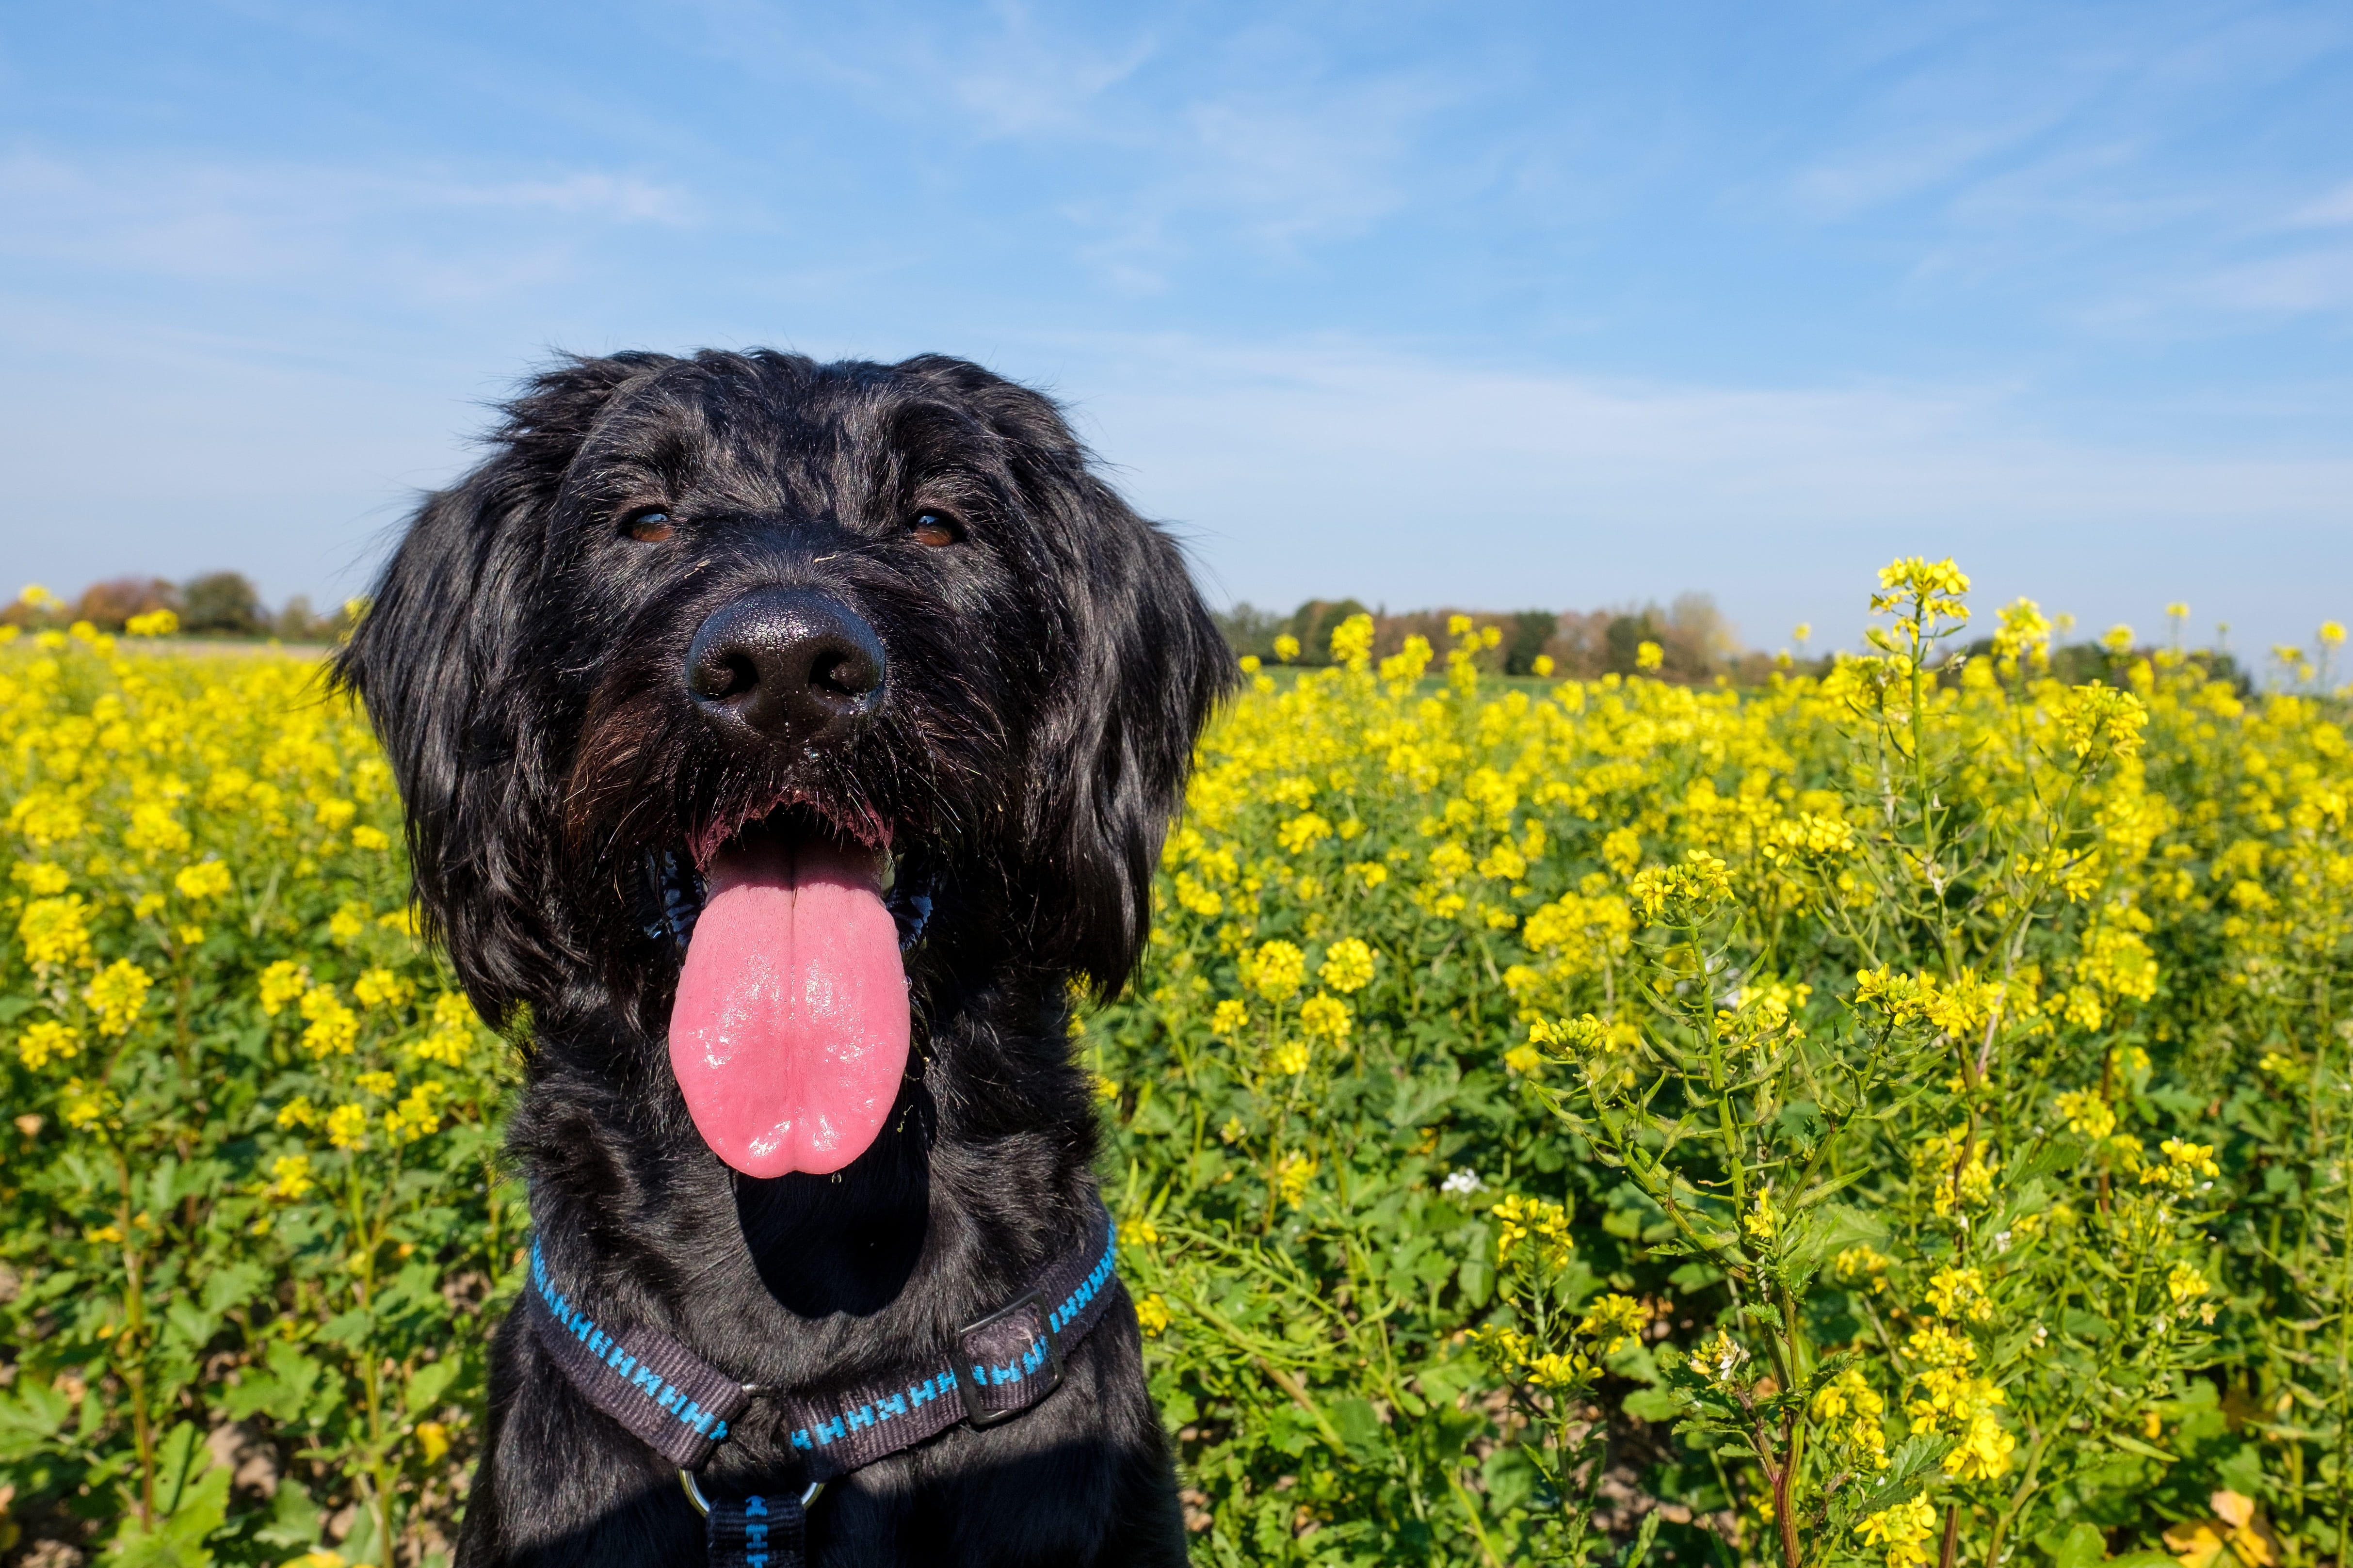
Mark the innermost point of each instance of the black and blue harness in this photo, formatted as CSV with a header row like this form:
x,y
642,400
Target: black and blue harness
x,y
680,1405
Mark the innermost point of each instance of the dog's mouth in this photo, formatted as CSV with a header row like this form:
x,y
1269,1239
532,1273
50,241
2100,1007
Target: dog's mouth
x,y
790,1031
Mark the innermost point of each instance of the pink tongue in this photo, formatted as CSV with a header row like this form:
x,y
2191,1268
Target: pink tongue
x,y
790,1033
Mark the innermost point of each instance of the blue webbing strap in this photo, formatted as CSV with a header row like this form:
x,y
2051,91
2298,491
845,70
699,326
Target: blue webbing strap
x,y
764,1531
670,1398
680,1405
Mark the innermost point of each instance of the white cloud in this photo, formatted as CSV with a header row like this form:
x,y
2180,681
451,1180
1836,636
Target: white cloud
x,y
412,228
2330,211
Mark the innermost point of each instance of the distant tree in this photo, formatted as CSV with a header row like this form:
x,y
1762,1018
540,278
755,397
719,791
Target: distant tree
x,y
108,604
223,604
1524,635
296,622
1312,624
1249,629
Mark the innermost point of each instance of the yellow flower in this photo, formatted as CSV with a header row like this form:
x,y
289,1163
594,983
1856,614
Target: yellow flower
x,y
1760,1221
281,983
46,1042
1325,1017
1682,895
1228,1018
205,880
1347,965
1303,832
2196,1158
1153,1315
1616,1321
1905,1529
2185,1284
343,927
1289,1059
1719,1360
1960,1293
378,1084
2086,1112
347,1127
41,878
298,1112
367,837
1293,1172
335,1029
56,931
1935,586
154,624
1352,642
118,993
415,1117
1278,970
84,1106
380,988
451,1038
1860,1263
1542,1227
1983,1452
433,1440
289,1176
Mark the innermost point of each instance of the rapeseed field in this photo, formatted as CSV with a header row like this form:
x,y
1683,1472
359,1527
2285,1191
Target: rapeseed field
x,y
1896,1114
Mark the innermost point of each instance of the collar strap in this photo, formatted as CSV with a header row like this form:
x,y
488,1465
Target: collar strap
x,y
680,1405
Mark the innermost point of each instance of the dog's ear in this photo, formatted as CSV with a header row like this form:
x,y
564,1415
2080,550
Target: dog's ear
x,y
441,660
1143,667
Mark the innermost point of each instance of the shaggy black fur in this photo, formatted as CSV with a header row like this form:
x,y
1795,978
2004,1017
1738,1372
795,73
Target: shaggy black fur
x,y
1050,666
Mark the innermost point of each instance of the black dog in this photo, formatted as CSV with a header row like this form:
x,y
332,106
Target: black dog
x,y
723,689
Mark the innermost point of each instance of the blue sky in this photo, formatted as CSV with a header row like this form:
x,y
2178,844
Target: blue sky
x,y
1502,305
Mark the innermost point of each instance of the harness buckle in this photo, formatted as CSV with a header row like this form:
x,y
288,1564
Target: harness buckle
x,y
979,1418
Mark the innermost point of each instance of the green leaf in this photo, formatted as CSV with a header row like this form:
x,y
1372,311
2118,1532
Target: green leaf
x,y
2080,1547
1638,1550
429,1382
190,1502
1359,1427
279,1388
30,1415
231,1288
1653,1404
294,1519
1477,1280
2131,1445
349,1329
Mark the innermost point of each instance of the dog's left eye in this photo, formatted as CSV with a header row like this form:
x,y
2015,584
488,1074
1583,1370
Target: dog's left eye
x,y
651,526
935,528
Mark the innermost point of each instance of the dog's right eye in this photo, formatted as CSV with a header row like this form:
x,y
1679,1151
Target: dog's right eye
x,y
651,526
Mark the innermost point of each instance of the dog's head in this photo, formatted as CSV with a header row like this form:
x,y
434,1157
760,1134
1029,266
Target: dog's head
x,y
851,641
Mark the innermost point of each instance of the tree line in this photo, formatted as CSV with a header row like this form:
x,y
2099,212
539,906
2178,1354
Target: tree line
x,y
1696,642
214,604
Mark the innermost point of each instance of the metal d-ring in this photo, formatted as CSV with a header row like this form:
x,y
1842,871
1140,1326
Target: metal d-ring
x,y
703,1504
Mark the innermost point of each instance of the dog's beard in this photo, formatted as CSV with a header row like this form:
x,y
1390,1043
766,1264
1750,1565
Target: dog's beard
x,y
790,1030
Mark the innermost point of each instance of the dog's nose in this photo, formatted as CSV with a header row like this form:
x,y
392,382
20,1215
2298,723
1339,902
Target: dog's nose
x,y
786,664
